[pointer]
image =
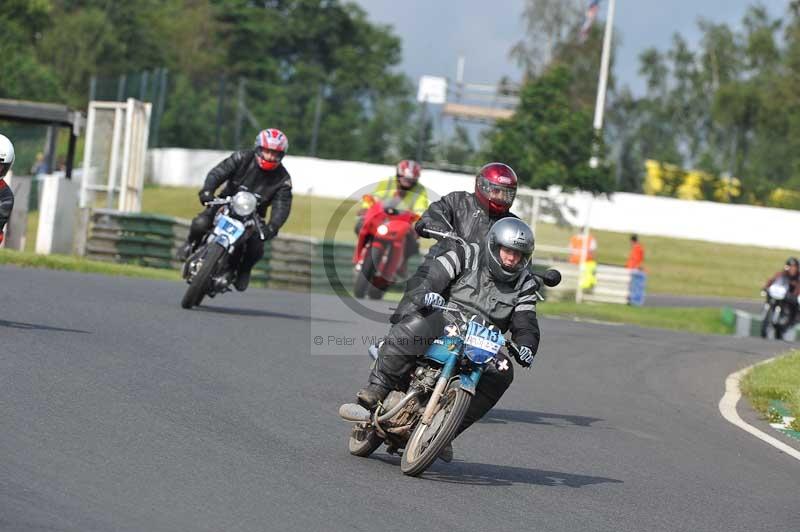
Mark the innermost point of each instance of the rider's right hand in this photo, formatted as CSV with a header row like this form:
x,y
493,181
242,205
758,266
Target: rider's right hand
x,y
432,299
206,196
433,226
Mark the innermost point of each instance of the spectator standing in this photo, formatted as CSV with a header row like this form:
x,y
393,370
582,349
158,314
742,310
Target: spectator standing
x,y
636,255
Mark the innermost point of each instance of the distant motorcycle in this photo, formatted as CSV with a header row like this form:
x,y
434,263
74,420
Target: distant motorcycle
x,y
212,268
380,250
777,315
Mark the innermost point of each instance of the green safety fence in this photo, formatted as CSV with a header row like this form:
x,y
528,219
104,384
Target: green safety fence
x,y
290,261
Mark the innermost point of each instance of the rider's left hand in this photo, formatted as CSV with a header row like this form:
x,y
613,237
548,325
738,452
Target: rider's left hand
x,y
524,356
268,230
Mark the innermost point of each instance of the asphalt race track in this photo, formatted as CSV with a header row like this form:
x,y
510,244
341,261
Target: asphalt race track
x,y
121,411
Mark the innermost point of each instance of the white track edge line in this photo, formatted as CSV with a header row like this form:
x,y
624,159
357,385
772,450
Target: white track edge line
x,y
727,407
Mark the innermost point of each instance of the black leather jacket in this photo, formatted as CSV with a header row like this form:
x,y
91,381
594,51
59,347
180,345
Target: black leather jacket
x,y
461,212
6,203
460,275
274,186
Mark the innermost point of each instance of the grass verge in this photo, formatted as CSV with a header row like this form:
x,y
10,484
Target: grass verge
x,y
76,264
674,266
778,380
692,320
695,320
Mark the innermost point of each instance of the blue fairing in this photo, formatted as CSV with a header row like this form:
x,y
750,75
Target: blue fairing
x,y
442,349
469,382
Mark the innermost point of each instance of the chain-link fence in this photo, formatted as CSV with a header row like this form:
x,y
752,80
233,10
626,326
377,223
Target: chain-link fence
x,y
220,112
226,112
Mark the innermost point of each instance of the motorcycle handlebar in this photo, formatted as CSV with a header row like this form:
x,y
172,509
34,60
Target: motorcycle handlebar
x,y
450,236
510,344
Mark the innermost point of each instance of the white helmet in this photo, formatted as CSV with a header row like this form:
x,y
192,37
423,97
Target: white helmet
x,y
6,155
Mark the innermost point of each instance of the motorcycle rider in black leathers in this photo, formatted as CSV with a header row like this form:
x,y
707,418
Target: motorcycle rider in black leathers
x,y
791,271
259,170
6,196
468,215
494,281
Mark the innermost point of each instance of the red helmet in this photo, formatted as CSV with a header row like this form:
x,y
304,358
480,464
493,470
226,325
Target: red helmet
x,y
408,173
271,145
496,187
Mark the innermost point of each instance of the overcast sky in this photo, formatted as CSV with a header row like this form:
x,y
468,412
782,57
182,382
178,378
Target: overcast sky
x,y
435,32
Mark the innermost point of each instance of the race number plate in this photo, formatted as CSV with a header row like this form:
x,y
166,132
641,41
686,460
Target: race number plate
x,y
481,344
228,226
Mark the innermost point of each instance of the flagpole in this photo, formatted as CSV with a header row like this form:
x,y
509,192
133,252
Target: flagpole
x,y
602,83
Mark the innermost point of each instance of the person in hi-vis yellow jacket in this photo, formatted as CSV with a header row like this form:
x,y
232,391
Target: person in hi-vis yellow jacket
x,y
410,195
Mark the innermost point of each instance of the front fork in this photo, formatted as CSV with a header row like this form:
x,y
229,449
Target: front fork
x,y
468,383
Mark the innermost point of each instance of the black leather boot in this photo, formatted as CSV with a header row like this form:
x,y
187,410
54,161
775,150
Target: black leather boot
x,y
370,396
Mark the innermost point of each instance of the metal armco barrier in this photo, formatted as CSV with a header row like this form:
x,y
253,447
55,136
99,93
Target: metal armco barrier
x,y
613,285
290,262
144,239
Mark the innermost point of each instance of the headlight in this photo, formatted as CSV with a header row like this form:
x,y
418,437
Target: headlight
x,y
777,291
382,229
244,203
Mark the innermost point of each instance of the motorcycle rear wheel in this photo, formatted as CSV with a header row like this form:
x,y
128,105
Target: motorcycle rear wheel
x,y
373,292
197,288
417,459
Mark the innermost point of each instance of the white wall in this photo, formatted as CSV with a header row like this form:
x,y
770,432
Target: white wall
x,y
697,220
622,212
320,177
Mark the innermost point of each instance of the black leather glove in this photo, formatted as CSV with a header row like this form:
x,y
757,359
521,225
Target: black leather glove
x,y
422,229
426,300
206,196
269,230
524,356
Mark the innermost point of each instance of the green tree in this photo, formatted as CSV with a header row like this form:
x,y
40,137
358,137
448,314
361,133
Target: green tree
x,y
549,139
549,24
459,149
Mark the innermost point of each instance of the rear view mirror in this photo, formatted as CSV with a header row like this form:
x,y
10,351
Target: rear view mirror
x,y
551,277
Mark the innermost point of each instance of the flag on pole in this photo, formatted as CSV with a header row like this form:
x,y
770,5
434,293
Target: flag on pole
x,y
591,15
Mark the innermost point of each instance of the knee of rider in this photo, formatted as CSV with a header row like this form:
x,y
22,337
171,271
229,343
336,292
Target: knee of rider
x,y
201,223
501,379
404,340
255,247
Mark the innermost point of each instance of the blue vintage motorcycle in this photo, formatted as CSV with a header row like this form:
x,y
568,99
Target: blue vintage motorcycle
x,y
209,270
425,417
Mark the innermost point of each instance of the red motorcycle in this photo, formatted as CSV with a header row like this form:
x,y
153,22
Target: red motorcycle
x,y
380,250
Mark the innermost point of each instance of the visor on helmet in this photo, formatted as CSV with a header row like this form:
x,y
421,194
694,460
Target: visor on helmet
x,y
495,193
269,154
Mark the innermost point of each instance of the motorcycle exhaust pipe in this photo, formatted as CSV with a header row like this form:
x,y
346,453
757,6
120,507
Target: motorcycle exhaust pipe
x,y
358,414
393,412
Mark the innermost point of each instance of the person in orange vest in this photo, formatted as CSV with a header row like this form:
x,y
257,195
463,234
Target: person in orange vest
x,y
636,256
576,248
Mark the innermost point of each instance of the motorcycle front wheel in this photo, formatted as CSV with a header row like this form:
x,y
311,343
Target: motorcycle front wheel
x,y
197,288
363,281
427,441
766,321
